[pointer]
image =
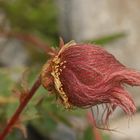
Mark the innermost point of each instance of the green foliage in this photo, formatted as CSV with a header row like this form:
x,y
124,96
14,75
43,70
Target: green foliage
x,y
88,134
5,82
32,16
7,100
43,111
108,38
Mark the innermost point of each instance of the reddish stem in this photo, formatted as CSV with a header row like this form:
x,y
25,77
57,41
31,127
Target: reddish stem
x,y
32,39
22,105
96,132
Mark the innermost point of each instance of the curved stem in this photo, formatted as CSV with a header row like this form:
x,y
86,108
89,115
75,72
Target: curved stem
x,y
22,105
31,39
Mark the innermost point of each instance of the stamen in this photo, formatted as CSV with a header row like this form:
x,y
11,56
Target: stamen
x,y
58,85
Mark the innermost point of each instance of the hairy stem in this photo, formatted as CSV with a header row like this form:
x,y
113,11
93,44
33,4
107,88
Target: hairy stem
x,y
22,105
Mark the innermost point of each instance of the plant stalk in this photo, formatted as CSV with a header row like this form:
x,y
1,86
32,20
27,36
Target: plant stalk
x,y
22,105
31,39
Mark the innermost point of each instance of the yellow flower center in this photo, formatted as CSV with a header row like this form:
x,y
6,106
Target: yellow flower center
x,y
55,67
56,70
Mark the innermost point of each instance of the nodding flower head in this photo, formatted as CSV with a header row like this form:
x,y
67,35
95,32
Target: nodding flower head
x,y
86,75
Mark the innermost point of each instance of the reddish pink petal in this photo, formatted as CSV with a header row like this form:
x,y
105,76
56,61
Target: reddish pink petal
x,y
86,75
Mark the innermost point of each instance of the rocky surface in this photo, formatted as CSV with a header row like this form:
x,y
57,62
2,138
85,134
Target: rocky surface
x,y
12,53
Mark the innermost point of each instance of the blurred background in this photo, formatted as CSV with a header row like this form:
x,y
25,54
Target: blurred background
x,y
28,27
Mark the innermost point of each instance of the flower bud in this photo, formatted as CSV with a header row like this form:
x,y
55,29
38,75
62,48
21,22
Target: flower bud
x,y
86,75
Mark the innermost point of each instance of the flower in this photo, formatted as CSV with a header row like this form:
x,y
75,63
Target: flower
x,y
86,75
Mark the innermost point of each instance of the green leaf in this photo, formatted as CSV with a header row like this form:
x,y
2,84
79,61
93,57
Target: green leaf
x,y
108,38
6,83
64,120
11,108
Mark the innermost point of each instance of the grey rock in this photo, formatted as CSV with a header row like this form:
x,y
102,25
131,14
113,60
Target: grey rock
x,y
12,53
